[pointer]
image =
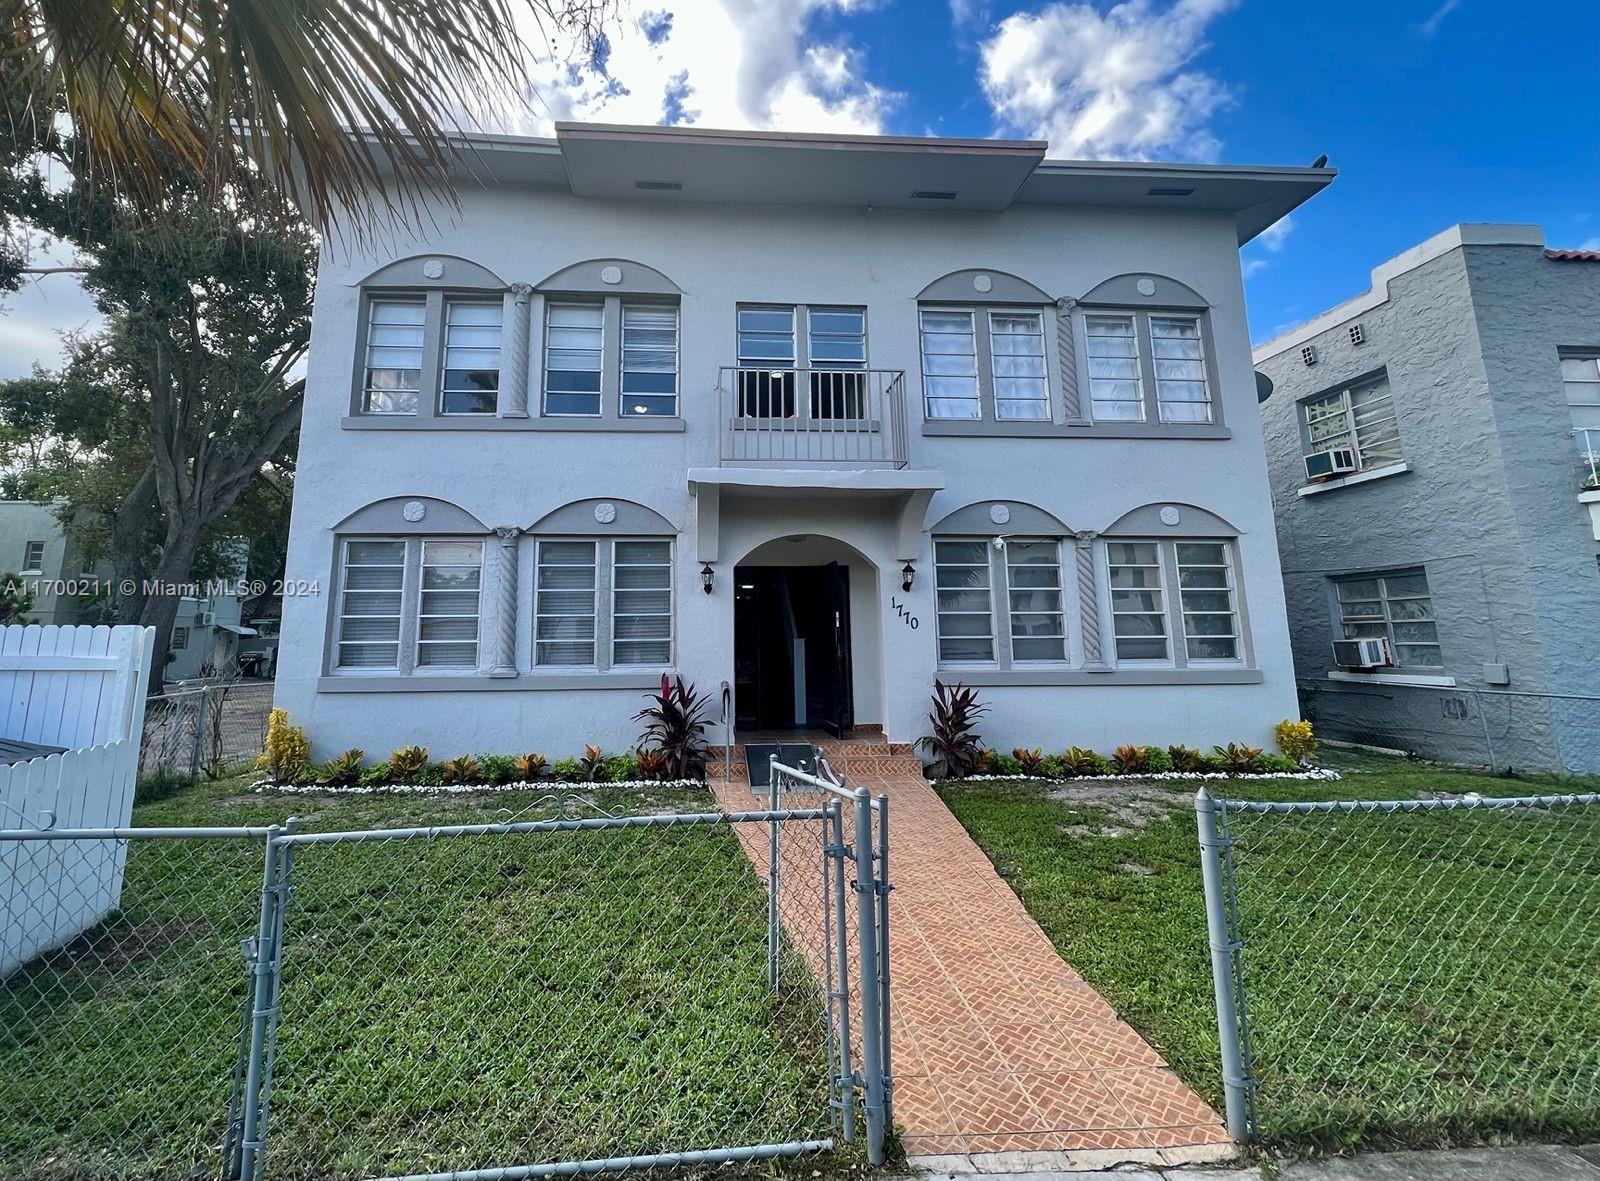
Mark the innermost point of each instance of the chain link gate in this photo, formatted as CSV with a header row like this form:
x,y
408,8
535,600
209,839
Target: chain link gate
x,y
511,1000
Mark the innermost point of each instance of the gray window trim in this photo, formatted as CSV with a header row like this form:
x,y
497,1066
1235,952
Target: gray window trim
x,y
980,312
1172,604
430,390
410,604
605,608
1000,604
802,365
610,415
1151,424
1381,576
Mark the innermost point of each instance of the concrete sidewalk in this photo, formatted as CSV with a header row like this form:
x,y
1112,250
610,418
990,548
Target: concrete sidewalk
x,y
1538,1162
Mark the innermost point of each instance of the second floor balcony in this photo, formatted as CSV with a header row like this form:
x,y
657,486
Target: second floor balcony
x,y
836,417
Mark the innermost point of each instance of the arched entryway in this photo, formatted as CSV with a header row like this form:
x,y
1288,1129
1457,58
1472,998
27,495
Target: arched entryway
x,y
805,644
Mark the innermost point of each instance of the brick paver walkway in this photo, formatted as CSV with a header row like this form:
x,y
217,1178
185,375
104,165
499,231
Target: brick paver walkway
x,y
999,1046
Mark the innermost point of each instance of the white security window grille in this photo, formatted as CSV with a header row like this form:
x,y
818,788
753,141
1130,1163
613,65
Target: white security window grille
x,y
766,362
471,369
641,599
1016,346
1206,597
965,606
1177,351
1037,618
574,341
649,360
33,557
565,604
1395,607
1138,600
949,364
448,607
371,601
1362,418
1116,390
393,371
836,344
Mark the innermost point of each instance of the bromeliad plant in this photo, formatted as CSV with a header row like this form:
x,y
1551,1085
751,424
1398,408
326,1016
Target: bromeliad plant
x,y
406,762
955,744
676,725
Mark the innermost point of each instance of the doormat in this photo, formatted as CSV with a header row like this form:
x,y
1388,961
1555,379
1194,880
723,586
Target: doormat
x,y
801,756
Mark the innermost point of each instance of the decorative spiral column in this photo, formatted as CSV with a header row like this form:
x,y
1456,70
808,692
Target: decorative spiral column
x,y
505,616
514,354
1088,600
1067,358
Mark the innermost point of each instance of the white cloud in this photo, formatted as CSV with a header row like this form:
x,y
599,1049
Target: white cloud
x,y
1112,84
1430,26
1272,238
1253,266
740,64
1590,244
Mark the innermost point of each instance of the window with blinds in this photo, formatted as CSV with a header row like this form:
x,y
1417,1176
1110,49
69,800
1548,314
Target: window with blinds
x,y
371,601
449,603
565,604
649,360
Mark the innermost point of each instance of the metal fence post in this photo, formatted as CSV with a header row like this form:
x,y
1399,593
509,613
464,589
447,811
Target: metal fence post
x,y
773,934
883,960
263,992
841,984
866,887
1235,1081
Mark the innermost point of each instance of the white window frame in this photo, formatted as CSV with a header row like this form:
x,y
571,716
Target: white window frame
x,y
409,630
1002,635
1384,602
337,640
605,613
32,564
1229,587
452,302
551,306
622,358
1176,632
614,614
1148,385
985,388
1163,588
419,643
364,400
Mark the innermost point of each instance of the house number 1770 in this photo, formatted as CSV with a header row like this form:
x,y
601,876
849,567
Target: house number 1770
x,y
900,610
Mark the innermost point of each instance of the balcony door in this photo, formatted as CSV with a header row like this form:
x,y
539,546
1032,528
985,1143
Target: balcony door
x,y
802,361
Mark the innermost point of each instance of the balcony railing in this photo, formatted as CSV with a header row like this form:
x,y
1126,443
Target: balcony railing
x,y
813,417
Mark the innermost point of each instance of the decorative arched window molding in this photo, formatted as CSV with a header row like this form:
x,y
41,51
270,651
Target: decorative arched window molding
x,y
411,515
978,285
1003,518
611,337
1148,355
602,515
437,335
1173,592
985,337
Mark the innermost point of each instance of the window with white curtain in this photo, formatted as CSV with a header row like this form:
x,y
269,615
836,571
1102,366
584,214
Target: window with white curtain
x,y
982,363
1177,351
1143,365
409,603
1116,391
1016,350
949,364
1026,624
602,604
395,331
449,604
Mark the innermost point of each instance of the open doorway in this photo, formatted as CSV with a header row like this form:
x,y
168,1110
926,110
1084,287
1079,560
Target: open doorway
x,y
791,648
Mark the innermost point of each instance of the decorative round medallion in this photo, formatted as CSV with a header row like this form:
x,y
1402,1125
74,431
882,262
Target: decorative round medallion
x,y
1169,514
982,283
433,269
413,510
999,513
605,513
612,275
1146,286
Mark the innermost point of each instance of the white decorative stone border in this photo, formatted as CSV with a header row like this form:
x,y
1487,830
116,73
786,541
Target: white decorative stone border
x,y
266,787
1313,773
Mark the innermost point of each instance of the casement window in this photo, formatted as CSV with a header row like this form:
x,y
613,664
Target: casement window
x,y
431,354
395,334
471,382
1173,601
603,604
1360,418
649,381
33,558
408,603
982,363
772,341
1142,365
1580,381
1030,624
574,345
1395,607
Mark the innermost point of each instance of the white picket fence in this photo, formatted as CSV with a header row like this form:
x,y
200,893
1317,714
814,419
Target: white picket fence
x,y
81,688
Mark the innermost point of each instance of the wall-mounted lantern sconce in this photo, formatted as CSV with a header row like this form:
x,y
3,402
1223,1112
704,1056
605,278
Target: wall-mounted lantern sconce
x,y
708,578
908,573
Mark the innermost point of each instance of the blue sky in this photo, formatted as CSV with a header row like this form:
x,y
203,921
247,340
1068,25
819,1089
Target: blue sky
x,y
1435,111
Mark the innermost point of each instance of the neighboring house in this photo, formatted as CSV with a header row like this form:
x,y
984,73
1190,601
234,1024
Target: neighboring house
x,y
34,546
206,636
818,419
258,653
1447,419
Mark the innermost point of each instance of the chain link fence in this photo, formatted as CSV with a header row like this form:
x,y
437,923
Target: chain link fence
x,y
532,998
208,729
1410,972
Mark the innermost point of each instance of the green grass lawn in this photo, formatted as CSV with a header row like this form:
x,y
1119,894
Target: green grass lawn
x,y
447,1004
1422,979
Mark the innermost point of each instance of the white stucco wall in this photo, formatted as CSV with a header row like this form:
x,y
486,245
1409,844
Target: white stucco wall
x,y
720,256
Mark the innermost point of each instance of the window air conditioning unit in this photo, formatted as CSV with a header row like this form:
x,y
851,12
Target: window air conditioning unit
x,y
1337,461
1362,654
204,618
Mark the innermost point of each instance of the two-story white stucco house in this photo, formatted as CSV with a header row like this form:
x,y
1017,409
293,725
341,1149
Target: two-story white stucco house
x,y
816,418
